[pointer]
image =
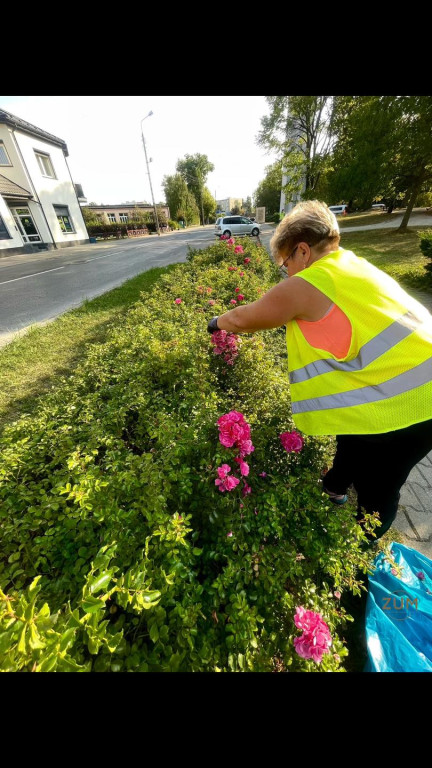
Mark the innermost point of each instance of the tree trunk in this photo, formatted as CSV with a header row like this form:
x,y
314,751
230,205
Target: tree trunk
x,y
410,206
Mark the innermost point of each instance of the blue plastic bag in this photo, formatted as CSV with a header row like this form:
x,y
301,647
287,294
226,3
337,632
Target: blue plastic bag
x,y
399,612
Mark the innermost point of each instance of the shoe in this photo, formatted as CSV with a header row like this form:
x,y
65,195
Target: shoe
x,y
336,498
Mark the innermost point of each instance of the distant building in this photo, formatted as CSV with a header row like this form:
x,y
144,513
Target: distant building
x,y
39,207
110,214
228,203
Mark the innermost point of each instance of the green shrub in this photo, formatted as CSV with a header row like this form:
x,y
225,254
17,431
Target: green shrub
x,y
115,548
173,224
97,229
426,247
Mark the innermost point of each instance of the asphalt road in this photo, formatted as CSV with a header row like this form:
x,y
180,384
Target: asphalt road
x,y
36,288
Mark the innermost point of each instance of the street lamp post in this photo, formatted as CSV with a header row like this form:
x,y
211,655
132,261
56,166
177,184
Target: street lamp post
x,y
148,171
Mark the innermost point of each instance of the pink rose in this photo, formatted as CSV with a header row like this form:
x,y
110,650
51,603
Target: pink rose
x,y
246,490
230,241
241,274
238,249
237,290
229,534
337,595
263,474
178,301
211,302
292,441
233,301
316,638
246,261
240,296
244,467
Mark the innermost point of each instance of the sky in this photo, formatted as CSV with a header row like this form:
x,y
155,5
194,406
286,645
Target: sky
x,y
106,155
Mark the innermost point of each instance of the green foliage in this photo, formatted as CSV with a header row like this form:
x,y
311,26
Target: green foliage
x,y
173,224
113,228
268,192
299,128
425,238
115,554
194,169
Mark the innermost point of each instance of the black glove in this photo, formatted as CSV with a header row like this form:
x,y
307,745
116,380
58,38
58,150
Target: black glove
x,y
213,326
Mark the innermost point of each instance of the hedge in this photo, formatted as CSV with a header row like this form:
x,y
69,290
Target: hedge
x,y
119,552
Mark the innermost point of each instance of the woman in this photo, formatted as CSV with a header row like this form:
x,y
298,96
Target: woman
x,y
359,358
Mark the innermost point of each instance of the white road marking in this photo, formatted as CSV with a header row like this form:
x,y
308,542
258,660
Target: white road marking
x,y
32,275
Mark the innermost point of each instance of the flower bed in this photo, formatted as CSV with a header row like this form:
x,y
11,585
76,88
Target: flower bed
x,y
120,548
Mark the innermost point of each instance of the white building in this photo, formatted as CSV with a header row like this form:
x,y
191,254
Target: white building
x,y
39,208
228,203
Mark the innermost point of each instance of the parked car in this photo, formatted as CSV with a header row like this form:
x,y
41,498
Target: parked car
x,y
378,207
236,225
339,209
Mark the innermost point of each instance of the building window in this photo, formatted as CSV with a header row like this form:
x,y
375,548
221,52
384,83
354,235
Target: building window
x,y
4,157
111,218
45,165
64,218
4,234
124,218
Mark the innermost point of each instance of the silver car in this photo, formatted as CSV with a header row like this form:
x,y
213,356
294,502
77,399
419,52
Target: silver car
x,y
236,225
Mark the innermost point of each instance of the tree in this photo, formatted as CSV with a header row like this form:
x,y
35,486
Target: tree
x,y
412,149
180,200
383,151
235,210
209,204
176,193
89,216
268,191
299,129
194,169
247,206
360,169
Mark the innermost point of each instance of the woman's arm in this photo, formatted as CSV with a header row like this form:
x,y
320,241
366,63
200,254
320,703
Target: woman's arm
x,y
283,302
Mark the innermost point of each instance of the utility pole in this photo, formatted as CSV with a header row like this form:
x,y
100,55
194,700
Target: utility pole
x,y
148,171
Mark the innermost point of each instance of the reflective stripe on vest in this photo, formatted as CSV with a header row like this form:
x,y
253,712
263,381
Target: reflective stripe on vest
x,y
404,382
370,351
384,383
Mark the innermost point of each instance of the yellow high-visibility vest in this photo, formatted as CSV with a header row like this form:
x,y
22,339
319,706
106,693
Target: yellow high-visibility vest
x,y
385,381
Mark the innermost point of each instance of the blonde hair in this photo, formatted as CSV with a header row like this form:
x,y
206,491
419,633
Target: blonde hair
x,y
310,221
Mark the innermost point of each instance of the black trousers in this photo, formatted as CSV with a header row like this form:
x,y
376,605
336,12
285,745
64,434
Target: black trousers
x,y
378,466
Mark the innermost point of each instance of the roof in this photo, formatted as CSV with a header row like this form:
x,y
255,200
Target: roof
x,y
10,189
128,206
33,130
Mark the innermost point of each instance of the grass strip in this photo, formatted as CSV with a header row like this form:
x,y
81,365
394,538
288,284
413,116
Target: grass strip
x,y
31,364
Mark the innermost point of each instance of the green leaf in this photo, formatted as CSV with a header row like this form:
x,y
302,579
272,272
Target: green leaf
x,y
67,639
22,642
196,551
154,633
14,557
35,640
151,597
100,582
92,604
49,663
